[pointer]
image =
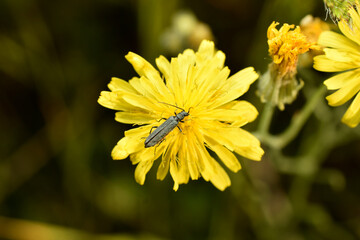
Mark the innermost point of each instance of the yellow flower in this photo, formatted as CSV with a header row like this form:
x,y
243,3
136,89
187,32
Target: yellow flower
x,y
279,84
198,83
312,27
285,46
342,54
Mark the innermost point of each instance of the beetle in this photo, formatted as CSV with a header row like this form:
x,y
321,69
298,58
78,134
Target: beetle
x,y
165,128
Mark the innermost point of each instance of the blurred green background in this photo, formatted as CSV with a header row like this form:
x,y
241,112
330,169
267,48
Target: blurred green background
x,y
57,178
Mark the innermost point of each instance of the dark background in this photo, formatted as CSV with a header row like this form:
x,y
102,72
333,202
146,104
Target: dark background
x,y
57,178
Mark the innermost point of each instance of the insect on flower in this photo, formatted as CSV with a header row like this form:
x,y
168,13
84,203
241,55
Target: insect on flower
x,y
198,86
165,128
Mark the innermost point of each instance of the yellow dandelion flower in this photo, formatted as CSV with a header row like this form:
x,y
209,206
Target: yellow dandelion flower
x,y
279,84
199,83
342,54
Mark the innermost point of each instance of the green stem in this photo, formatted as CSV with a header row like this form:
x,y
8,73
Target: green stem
x,y
297,122
265,120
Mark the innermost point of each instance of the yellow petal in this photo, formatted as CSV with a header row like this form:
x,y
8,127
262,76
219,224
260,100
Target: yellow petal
x,y
166,159
253,152
146,154
323,63
114,101
164,66
213,172
236,85
340,55
139,101
219,177
173,82
178,169
226,115
238,140
126,146
338,41
345,93
352,115
144,68
194,162
141,170
118,84
226,156
241,113
134,117
209,81
131,143
341,79
248,110
205,52
141,85
119,152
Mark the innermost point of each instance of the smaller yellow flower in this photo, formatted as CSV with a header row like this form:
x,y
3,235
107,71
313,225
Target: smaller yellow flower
x,y
313,27
279,84
342,54
285,46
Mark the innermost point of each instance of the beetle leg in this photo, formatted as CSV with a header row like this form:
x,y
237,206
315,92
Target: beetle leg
x,y
152,128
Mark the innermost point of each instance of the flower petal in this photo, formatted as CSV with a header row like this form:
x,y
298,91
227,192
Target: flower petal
x,y
337,41
323,63
226,156
248,110
134,117
205,52
341,79
179,170
194,161
141,170
236,139
352,115
131,143
117,84
345,93
141,101
164,66
144,68
342,56
236,86
240,113
114,101
168,156
212,171
208,84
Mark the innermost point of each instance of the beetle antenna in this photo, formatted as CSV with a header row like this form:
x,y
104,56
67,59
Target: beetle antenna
x,y
173,105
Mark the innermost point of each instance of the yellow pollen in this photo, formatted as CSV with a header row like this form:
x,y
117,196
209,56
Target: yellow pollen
x,y
286,44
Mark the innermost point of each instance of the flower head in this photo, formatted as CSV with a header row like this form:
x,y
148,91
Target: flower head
x,y
338,9
198,83
279,84
342,54
285,46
